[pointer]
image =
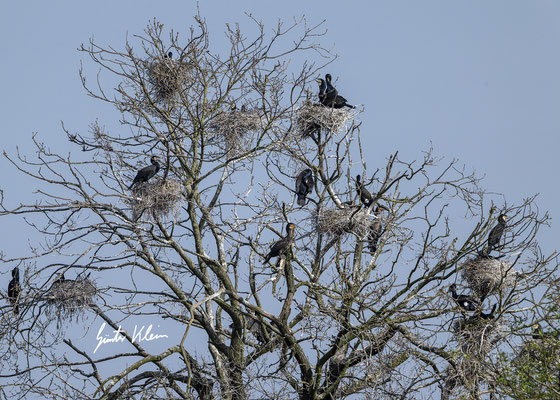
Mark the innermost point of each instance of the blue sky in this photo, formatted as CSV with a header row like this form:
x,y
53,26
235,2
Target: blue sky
x,y
477,80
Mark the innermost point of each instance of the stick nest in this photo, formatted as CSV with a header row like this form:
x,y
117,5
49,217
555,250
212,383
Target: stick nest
x,y
486,276
68,298
311,118
158,197
231,130
477,337
337,221
167,77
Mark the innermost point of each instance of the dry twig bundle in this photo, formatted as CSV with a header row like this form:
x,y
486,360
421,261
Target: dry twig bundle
x,y
158,197
68,298
231,129
167,77
313,117
337,221
486,276
477,336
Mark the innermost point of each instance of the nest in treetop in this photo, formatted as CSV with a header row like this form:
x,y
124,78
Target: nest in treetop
x,y
337,221
157,198
230,129
486,276
167,76
468,372
477,336
68,298
311,118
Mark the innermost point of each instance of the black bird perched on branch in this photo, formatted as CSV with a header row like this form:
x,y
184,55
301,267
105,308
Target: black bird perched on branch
x,y
169,55
281,247
14,289
538,333
365,196
331,97
489,315
304,185
375,231
496,233
147,172
464,301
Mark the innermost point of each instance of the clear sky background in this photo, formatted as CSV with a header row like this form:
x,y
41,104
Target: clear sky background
x,y
478,80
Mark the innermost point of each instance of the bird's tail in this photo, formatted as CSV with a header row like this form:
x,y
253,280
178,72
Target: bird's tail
x,y
349,105
16,309
301,200
131,185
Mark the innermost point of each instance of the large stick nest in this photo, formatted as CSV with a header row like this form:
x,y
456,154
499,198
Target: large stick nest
x,y
167,77
68,298
311,118
477,337
337,221
469,372
486,276
157,198
231,129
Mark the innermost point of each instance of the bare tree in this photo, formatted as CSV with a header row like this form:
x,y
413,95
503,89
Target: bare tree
x,y
353,301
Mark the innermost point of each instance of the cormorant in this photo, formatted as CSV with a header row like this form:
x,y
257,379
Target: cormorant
x,y
466,302
375,231
304,185
322,90
14,289
147,172
61,278
496,233
280,247
538,333
365,196
332,98
244,108
489,315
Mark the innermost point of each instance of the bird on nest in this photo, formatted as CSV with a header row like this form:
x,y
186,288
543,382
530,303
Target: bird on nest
x,y
146,173
328,95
